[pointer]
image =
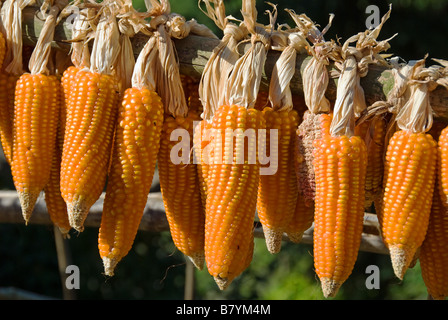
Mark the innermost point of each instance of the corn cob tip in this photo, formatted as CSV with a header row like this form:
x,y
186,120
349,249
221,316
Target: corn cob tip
x,y
64,232
295,237
222,283
109,265
198,260
273,239
330,287
401,258
27,202
77,213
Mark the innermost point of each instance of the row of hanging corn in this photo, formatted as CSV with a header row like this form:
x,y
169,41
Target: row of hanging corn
x,y
69,122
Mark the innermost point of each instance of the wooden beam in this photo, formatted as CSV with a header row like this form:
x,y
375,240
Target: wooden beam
x,y
194,51
154,219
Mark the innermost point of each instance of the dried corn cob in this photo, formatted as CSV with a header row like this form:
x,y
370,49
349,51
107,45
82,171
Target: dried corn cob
x,y
373,132
201,149
313,127
91,111
91,115
231,194
277,191
179,183
409,172
136,146
36,116
301,221
8,83
433,253
443,164
340,167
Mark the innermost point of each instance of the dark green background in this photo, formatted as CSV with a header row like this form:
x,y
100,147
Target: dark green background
x,y
154,269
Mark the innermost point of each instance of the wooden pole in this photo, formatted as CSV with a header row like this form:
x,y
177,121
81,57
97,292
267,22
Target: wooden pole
x,y
194,51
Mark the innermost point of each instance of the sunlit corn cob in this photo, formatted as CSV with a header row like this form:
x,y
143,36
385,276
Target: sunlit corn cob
x,y
181,192
201,145
373,132
443,164
56,206
434,251
2,50
312,127
136,145
277,190
232,193
410,170
91,111
36,116
8,85
301,221
340,167
191,90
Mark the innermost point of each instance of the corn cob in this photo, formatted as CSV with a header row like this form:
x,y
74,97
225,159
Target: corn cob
x,y
443,164
179,183
136,146
231,195
409,172
433,254
8,84
340,166
301,221
91,115
277,191
201,144
373,132
313,126
36,115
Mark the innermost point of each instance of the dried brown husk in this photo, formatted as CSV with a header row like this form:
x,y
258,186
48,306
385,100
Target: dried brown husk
x,y
39,61
244,81
222,60
350,101
11,18
165,27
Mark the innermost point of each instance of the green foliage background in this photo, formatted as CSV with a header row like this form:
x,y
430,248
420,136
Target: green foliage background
x,y
155,270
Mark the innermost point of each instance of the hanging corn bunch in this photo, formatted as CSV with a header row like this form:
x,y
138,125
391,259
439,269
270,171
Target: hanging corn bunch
x,y
234,169
91,111
340,162
278,190
136,146
178,175
35,125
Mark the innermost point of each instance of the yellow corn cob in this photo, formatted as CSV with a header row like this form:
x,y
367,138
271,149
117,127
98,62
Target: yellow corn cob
x,y
373,132
8,85
339,166
410,170
136,146
201,142
301,221
181,192
443,164
191,90
91,110
434,252
277,191
36,115
231,195
262,100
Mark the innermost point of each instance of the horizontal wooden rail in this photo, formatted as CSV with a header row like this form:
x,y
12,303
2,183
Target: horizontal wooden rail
x,y
154,219
194,51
